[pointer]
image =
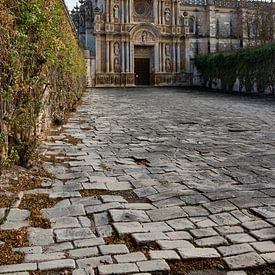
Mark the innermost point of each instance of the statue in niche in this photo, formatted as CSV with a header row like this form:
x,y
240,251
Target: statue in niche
x,y
116,48
167,65
116,65
116,12
167,14
167,49
144,36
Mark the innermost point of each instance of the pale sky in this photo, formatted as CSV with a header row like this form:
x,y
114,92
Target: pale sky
x,y
70,4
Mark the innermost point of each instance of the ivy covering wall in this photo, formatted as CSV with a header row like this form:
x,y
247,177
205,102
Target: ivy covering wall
x,y
250,66
41,67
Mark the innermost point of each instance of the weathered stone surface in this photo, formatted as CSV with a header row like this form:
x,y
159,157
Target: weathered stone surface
x,y
58,264
204,232
124,268
94,261
179,235
67,211
235,249
148,237
156,227
128,227
165,244
102,207
269,257
71,234
211,241
18,267
264,247
167,213
130,258
198,253
153,266
164,254
16,214
39,236
180,224
33,258
83,252
89,242
129,215
113,249
240,238
244,261
264,234
64,222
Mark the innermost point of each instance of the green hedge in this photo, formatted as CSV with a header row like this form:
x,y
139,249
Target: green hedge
x,y
39,55
250,65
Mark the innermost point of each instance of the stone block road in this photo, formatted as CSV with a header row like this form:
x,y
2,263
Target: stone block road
x,y
157,177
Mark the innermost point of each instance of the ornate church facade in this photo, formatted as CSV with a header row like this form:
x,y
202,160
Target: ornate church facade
x,y
154,42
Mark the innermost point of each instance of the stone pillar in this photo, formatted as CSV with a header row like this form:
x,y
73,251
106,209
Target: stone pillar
x,y
111,11
127,57
112,55
131,4
107,56
163,57
156,12
187,55
131,57
159,12
123,57
98,55
175,57
122,12
162,13
107,9
156,57
179,57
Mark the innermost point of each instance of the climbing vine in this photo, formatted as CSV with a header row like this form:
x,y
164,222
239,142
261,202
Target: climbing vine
x,y
42,72
251,66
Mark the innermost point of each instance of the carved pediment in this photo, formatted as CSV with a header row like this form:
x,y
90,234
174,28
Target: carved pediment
x,y
144,37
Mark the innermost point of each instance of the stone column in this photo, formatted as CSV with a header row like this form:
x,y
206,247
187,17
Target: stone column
x,y
107,56
178,57
156,57
122,12
107,9
156,12
131,3
175,57
112,55
163,57
111,11
162,12
159,12
123,57
127,56
98,55
131,57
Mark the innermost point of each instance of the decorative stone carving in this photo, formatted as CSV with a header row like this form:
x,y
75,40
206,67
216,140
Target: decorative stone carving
x,y
116,65
167,14
116,12
144,36
167,50
116,48
168,66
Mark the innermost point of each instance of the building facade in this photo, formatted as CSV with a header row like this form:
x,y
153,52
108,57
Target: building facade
x,y
154,42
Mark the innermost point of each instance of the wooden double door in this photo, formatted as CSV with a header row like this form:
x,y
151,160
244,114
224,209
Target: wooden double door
x,y
142,71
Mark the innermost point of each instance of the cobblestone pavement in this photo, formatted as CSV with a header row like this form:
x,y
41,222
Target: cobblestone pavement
x,y
185,174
